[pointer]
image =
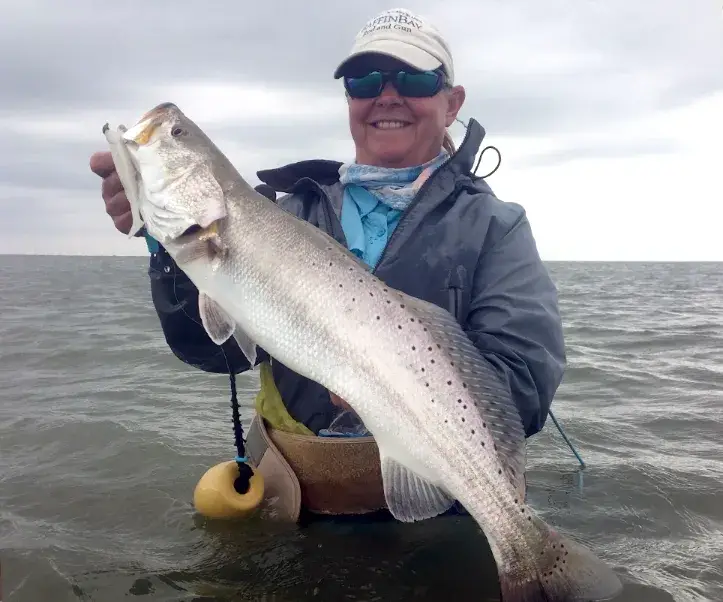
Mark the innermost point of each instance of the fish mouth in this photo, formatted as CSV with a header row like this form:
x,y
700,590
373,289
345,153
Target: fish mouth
x,y
142,132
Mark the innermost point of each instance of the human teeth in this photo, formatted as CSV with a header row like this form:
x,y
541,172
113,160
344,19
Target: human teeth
x,y
389,125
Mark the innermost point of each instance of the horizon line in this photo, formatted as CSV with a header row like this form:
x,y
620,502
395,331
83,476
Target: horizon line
x,y
139,255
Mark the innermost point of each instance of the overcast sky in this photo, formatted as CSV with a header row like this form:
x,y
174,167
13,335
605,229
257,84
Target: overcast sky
x,y
608,113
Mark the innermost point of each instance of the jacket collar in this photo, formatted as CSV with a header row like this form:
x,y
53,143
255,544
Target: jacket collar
x,y
326,173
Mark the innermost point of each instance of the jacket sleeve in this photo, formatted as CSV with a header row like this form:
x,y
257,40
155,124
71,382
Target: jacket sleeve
x,y
175,299
514,318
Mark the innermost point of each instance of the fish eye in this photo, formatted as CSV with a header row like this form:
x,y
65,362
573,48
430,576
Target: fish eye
x,y
176,132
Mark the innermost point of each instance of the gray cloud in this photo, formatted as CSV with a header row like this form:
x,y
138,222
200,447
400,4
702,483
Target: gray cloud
x,y
603,149
530,69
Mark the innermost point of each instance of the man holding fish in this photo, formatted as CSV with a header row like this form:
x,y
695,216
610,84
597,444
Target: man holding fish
x,y
433,320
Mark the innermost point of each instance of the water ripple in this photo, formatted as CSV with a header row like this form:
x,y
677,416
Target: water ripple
x,y
104,434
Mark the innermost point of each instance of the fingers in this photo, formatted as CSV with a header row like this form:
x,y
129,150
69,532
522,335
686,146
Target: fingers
x,y
116,201
111,186
118,205
101,164
123,222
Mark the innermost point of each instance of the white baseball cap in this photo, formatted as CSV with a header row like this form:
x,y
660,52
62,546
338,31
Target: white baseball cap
x,y
407,37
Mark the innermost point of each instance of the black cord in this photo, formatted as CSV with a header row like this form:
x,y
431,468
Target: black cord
x,y
499,161
242,482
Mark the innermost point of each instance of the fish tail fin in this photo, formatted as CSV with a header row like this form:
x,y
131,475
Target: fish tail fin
x,y
566,572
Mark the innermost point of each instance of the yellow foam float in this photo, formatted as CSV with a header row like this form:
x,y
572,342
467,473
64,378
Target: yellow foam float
x,y
215,495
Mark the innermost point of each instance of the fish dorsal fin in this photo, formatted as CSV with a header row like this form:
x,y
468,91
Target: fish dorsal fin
x,y
485,385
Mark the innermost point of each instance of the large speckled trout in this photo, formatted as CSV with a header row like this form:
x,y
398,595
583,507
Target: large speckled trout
x,y
443,419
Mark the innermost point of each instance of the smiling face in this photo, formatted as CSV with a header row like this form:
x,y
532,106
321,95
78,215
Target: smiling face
x,y
397,131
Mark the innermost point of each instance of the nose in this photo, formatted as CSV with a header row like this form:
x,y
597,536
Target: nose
x,y
388,96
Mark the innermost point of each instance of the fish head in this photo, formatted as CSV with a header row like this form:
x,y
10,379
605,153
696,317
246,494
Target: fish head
x,y
176,165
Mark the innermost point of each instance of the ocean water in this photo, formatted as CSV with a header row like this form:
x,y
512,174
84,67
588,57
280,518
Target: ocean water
x,y
104,434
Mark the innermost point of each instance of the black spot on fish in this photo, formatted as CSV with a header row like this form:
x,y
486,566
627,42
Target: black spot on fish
x,y
464,407
499,471
473,431
429,349
449,382
411,319
431,361
464,385
331,263
401,305
414,348
422,369
399,326
462,418
378,317
483,443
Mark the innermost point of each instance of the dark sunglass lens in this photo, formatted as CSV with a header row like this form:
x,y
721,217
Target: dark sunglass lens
x,y
367,86
426,83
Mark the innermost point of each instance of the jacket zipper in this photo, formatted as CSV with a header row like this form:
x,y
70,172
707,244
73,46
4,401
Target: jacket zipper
x,y
415,201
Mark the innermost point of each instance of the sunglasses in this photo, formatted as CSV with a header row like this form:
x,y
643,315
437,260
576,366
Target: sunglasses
x,y
418,84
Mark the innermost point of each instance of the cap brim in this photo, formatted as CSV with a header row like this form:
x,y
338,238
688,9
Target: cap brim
x,y
406,53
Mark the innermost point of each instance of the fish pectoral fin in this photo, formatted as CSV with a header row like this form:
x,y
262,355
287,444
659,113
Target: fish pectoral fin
x,y
218,323
207,245
190,252
411,497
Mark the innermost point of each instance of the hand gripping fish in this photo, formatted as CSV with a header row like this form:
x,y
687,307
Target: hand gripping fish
x,y
442,418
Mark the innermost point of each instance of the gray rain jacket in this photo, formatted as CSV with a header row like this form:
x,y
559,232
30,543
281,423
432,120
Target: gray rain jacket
x,y
456,245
